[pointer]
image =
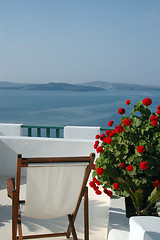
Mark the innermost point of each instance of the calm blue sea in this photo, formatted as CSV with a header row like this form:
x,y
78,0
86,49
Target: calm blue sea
x,y
60,108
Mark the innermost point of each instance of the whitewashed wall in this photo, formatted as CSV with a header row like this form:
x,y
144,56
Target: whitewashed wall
x,y
76,132
10,146
7,129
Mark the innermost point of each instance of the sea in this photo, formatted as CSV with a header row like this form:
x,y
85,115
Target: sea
x,y
67,108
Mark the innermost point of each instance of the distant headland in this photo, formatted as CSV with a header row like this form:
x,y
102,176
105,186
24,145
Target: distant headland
x,y
88,86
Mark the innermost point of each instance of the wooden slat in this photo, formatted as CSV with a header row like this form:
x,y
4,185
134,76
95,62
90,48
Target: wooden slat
x,y
70,218
44,235
55,160
87,173
86,218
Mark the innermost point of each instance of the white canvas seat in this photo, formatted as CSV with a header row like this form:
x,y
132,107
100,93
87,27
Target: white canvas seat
x,y
54,188
62,182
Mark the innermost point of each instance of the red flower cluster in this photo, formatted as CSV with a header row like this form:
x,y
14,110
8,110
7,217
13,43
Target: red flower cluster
x,y
147,101
122,165
128,102
102,136
112,133
119,129
107,140
140,149
100,170
107,132
93,184
129,168
116,186
99,149
143,165
108,192
154,120
121,111
156,183
97,136
158,112
96,144
154,123
110,123
127,122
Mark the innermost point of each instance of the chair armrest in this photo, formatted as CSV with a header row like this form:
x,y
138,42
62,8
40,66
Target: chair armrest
x,y
10,184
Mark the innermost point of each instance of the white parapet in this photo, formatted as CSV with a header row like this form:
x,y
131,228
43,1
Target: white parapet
x,y
144,228
10,146
8,129
77,132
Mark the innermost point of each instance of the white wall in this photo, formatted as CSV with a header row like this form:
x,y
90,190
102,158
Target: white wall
x,y
7,129
76,132
10,146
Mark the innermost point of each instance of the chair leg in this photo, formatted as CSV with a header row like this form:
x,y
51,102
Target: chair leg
x,y
14,216
70,218
86,219
19,225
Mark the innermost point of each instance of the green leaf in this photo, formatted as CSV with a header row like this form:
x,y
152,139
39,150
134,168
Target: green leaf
x,y
154,196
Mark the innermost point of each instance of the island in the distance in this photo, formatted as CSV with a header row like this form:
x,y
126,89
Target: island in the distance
x,y
49,87
88,86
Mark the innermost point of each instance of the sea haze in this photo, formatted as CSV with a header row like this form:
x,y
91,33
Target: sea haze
x,y
62,108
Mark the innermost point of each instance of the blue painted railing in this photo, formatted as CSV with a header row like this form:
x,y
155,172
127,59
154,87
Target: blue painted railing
x,y
47,130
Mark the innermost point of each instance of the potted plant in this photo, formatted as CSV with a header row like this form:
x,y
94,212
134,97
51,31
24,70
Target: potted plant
x,y
129,158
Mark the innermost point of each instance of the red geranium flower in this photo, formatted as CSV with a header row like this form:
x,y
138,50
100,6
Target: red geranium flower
x,y
129,168
143,165
140,149
96,144
92,184
128,102
108,132
147,101
98,192
102,136
99,149
112,133
122,165
158,112
94,179
97,136
93,166
119,129
154,123
121,111
154,118
116,186
108,192
110,123
98,182
100,170
158,107
96,188
156,183
127,122
108,140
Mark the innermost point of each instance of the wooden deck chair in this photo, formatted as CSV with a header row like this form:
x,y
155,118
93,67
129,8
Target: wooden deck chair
x,y
54,188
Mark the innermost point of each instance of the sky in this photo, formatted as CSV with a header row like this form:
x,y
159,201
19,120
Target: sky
x,y
78,41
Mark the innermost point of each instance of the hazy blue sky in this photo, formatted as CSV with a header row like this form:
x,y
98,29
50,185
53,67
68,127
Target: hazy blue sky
x,y
80,40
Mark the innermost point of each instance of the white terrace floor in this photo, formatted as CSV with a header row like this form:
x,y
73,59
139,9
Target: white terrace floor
x,y
98,216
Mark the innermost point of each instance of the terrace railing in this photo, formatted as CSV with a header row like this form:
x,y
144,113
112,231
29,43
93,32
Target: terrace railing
x,y
40,128
58,130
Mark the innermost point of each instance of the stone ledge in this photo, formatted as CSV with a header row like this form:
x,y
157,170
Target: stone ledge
x,y
118,227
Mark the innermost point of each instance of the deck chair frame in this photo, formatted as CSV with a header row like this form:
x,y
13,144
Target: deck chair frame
x,y
14,193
